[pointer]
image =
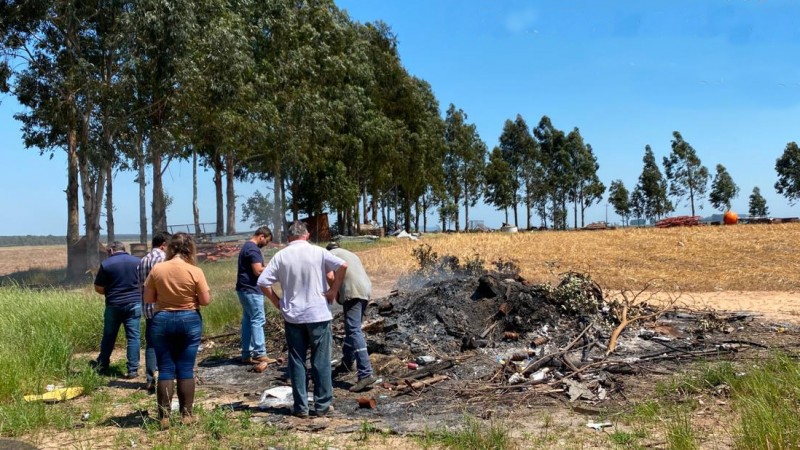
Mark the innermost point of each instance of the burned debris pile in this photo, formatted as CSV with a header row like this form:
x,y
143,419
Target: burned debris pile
x,y
494,331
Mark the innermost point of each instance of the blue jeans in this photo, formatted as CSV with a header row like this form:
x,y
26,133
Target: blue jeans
x,y
355,346
176,338
128,316
253,321
149,352
317,336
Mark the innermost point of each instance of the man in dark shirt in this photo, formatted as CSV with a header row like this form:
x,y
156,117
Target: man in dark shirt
x,y
117,279
251,264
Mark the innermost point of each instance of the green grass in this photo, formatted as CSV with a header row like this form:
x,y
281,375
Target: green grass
x,y
474,435
767,399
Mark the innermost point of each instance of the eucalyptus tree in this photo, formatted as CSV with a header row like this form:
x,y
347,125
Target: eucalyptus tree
x,y
653,187
638,203
556,169
464,161
218,96
687,176
499,187
619,198
585,186
723,189
160,37
520,152
50,44
788,168
758,204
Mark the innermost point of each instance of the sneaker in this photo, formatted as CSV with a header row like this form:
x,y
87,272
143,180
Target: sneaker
x,y
188,421
131,375
151,388
341,370
324,412
363,384
301,414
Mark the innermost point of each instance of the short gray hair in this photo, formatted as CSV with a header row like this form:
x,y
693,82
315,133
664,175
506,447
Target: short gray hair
x,y
298,228
116,246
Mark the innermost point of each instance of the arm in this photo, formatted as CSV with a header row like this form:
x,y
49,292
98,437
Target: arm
x,y
149,294
329,276
100,289
204,298
270,294
338,277
257,268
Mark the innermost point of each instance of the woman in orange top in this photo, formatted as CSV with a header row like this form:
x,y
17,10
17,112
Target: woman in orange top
x,y
178,288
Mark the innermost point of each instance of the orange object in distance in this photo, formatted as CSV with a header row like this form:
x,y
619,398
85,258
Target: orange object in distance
x,y
730,218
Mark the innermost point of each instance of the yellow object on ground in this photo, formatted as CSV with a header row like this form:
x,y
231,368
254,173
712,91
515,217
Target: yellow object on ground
x,y
56,395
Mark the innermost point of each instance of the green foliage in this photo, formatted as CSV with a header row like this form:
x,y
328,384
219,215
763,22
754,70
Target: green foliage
x,y
788,169
767,398
723,189
474,435
556,174
500,179
258,209
39,332
757,205
686,174
651,200
425,256
620,200
680,434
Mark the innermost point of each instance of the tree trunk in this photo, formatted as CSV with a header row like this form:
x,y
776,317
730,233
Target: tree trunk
x,y
505,210
195,209
142,180
407,212
230,193
110,203
416,216
374,206
364,200
92,187
424,213
279,212
295,190
218,169
575,213
159,214
516,220
75,270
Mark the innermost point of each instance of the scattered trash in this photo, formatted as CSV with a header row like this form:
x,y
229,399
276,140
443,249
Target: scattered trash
x,y
427,359
413,366
55,395
279,397
366,402
599,425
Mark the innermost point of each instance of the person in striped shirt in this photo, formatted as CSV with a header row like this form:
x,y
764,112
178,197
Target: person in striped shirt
x,y
156,255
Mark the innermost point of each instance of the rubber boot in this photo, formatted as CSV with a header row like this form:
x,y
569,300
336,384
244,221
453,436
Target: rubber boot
x,y
186,400
164,392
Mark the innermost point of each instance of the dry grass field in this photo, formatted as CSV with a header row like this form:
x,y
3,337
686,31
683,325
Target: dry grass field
x,y
690,259
20,259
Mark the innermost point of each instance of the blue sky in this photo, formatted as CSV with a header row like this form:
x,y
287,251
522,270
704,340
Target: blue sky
x,y
627,73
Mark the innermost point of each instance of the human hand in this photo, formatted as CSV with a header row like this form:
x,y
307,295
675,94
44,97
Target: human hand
x,y
330,295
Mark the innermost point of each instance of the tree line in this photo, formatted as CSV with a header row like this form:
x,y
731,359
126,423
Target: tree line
x,y
298,95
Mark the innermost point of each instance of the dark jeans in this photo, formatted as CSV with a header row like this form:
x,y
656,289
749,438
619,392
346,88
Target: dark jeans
x,y
128,316
176,338
355,346
149,352
299,338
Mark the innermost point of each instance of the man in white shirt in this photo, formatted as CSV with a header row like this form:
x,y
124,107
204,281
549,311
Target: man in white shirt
x,y
301,270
